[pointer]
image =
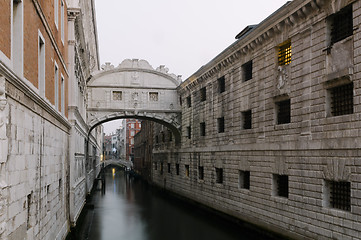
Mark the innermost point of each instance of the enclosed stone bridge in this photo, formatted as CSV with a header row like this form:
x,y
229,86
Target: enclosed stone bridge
x,y
134,90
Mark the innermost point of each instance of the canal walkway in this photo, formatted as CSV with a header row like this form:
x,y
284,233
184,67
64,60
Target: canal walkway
x,y
131,210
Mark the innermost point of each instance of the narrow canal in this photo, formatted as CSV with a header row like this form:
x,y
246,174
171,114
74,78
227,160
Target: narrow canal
x,y
131,210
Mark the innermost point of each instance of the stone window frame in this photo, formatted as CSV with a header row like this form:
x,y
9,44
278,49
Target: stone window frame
x,y
189,101
41,64
246,119
177,168
221,124
280,183
330,87
189,132
244,179
56,13
219,175
344,24
186,171
202,129
169,168
333,195
153,96
280,103
203,94
221,83
119,96
284,53
56,85
247,71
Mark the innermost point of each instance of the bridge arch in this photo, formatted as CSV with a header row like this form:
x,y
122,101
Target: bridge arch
x,y
134,90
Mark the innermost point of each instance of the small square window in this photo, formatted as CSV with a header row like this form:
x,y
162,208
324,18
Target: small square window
x,y
284,53
341,24
247,70
202,126
342,100
153,97
177,168
244,179
168,167
189,132
283,111
280,183
200,172
189,101
186,170
219,175
117,95
338,195
220,122
247,119
221,84
203,94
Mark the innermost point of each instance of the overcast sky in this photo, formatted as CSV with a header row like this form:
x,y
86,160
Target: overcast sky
x,y
183,35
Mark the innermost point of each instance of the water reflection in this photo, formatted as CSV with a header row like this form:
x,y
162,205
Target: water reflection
x,y
131,211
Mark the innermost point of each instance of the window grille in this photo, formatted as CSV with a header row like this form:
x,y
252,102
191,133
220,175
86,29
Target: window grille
x,y
342,100
220,124
221,84
203,128
219,175
247,119
189,132
340,195
281,182
117,95
203,94
177,168
153,96
187,170
341,24
247,70
284,112
189,101
201,172
284,53
244,179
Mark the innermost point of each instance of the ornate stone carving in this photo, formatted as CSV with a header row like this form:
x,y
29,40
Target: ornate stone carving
x,y
336,170
282,77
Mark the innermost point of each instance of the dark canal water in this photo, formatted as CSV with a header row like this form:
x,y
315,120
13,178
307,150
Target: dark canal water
x,y
131,210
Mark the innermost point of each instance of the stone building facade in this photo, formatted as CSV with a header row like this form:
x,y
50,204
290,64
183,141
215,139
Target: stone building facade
x,y
143,150
40,136
270,126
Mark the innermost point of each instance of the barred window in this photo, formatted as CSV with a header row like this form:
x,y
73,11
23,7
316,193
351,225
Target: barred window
x,y
203,94
177,168
202,128
201,172
342,100
284,53
339,195
283,111
341,24
280,185
247,70
221,84
244,179
189,132
247,119
220,122
153,96
189,101
219,175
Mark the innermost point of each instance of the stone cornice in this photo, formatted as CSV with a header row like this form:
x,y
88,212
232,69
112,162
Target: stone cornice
x,y
288,15
50,34
29,92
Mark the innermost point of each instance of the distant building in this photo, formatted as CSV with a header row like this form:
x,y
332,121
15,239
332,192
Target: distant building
x,y
143,150
133,126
